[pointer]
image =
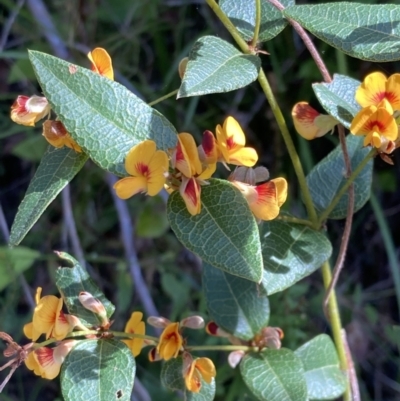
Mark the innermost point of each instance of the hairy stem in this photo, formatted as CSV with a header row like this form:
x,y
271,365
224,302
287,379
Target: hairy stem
x,y
349,221
336,324
262,79
307,42
346,186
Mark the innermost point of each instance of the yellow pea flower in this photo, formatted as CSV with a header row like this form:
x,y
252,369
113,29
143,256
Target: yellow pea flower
x,y
135,325
377,87
46,362
29,110
264,199
148,168
231,141
196,370
49,319
170,342
309,123
377,124
101,62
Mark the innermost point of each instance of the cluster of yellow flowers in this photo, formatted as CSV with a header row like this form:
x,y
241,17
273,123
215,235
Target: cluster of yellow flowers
x,y
29,110
185,168
50,320
171,344
379,98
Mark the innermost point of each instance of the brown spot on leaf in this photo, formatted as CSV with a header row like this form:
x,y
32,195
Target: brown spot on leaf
x,y
72,69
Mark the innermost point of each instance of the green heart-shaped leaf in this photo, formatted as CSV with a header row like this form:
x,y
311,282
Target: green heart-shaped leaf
x,y
274,375
224,234
57,168
100,370
325,380
234,303
338,98
368,32
290,253
216,66
104,118
328,176
70,281
242,14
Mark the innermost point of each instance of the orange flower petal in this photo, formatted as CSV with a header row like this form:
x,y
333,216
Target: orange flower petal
x,y
137,326
29,110
393,91
244,157
44,315
372,90
158,167
49,367
190,191
138,158
101,62
180,159
170,342
208,172
62,326
32,364
373,123
206,368
129,186
28,330
189,144
309,123
193,379
281,189
359,124
266,206
234,134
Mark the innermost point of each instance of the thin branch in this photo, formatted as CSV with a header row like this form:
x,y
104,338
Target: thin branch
x,y
127,234
9,23
71,226
349,221
43,19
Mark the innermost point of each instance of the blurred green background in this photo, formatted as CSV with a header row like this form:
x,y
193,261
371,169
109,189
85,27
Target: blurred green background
x,y
146,40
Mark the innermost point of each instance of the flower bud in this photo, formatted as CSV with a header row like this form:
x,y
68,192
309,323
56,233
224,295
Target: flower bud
x,y
89,302
309,123
235,357
57,135
269,337
214,330
193,322
182,67
29,110
158,322
248,175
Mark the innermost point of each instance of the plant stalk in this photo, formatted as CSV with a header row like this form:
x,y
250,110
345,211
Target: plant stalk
x,y
324,215
160,99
